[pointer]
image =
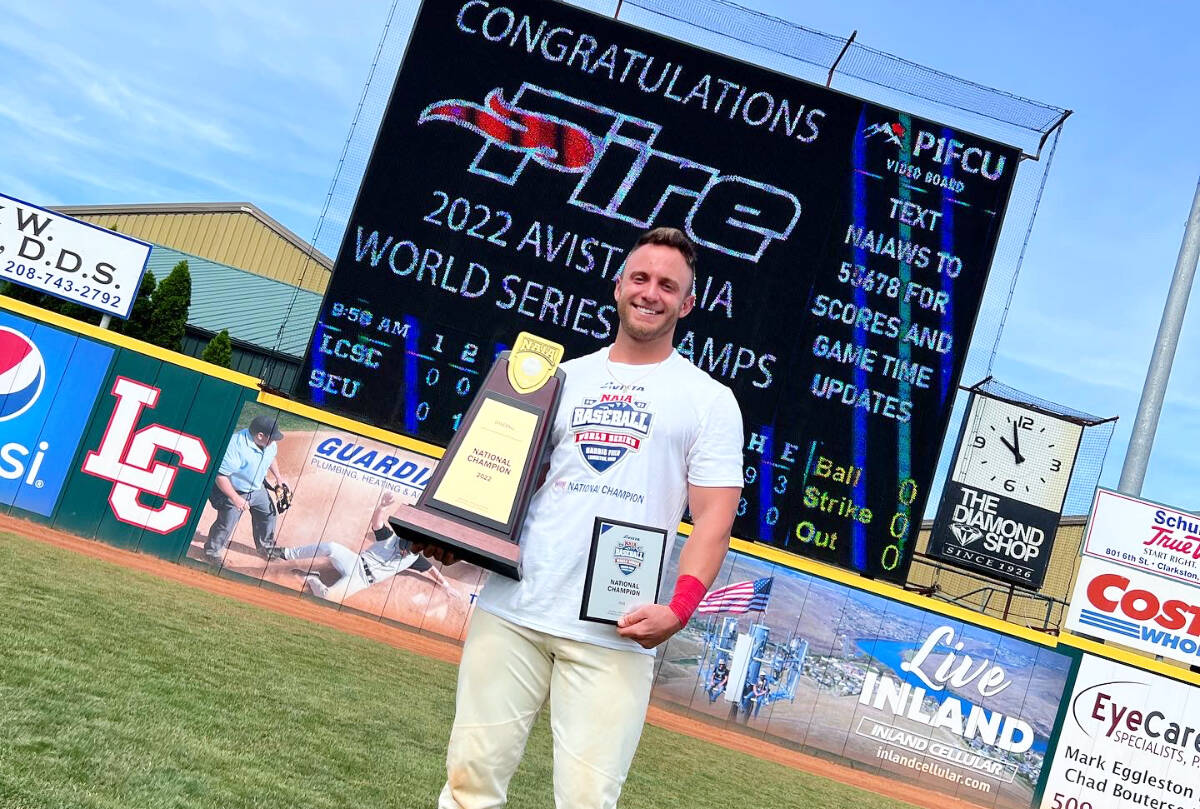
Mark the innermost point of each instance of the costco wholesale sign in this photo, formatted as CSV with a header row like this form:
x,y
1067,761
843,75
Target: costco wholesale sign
x,y
1135,584
844,249
1129,739
70,259
1149,613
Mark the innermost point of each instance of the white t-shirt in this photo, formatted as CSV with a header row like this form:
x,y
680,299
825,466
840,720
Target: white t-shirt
x,y
626,444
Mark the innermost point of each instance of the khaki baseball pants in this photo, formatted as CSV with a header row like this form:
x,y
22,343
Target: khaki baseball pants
x,y
598,700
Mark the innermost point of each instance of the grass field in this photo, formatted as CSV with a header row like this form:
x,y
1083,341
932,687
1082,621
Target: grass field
x,y
121,690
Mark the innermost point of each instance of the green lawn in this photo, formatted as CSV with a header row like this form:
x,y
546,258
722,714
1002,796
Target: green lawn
x,y
121,690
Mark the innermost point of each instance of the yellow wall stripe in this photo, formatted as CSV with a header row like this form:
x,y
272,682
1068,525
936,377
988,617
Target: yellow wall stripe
x,y
891,591
1129,658
350,425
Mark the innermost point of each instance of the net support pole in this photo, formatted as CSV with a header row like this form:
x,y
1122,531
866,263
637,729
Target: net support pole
x,y
1137,456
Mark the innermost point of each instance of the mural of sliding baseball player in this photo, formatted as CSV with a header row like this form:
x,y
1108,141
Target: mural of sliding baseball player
x,y
388,556
332,541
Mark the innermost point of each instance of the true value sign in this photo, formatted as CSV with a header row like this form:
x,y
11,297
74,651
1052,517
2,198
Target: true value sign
x,y
1139,580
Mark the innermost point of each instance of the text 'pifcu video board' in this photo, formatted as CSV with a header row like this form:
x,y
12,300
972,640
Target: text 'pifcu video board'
x,y
844,249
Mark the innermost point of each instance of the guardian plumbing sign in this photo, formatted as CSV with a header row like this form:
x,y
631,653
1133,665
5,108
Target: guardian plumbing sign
x,y
70,259
1129,738
1139,580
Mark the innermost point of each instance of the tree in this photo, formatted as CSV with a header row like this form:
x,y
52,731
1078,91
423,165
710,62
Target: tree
x,y
20,292
49,302
138,324
219,350
171,299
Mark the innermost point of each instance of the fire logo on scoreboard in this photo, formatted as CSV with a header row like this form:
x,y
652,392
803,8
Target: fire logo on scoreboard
x,y
553,143
622,175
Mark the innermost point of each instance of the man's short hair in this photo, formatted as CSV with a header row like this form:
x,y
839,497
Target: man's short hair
x,y
672,237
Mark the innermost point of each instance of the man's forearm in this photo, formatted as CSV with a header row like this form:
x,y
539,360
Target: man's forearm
x,y
712,520
704,551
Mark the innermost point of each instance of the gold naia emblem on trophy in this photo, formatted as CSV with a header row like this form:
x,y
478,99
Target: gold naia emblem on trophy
x,y
532,362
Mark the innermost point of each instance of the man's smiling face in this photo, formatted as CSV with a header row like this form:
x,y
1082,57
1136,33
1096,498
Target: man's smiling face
x,y
653,292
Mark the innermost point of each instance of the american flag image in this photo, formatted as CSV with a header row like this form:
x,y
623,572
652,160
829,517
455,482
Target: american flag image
x,y
744,596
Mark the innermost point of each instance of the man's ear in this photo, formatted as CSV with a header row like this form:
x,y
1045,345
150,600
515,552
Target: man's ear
x,y
689,303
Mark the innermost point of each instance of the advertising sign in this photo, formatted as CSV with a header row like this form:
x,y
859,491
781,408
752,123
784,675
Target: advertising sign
x,y
1129,738
69,259
887,686
1147,536
843,251
1127,606
48,384
1001,505
330,538
147,454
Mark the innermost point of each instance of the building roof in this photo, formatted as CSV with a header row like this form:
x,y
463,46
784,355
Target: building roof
x,y
166,208
250,306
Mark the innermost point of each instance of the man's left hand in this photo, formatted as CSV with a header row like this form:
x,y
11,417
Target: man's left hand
x,y
649,625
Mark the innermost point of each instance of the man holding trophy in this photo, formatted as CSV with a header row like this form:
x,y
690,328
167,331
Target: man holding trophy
x,y
639,435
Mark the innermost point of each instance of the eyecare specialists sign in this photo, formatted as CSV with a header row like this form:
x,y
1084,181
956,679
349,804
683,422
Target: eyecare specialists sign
x,y
70,259
1130,738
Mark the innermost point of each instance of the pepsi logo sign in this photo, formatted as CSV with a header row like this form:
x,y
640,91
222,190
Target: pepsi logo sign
x,y
22,373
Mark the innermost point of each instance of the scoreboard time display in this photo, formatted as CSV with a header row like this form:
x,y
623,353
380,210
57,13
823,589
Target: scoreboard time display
x,y
844,249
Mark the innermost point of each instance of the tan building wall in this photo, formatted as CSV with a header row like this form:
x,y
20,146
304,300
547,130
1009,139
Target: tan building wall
x,y
990,597
237,234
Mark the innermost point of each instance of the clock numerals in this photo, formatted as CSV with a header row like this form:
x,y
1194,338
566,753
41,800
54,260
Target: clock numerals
x,y
1017,452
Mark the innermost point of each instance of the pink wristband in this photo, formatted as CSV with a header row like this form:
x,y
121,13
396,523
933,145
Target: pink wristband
x,y
689,591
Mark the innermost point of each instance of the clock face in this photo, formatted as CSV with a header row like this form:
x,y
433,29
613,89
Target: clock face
x,y
1015,452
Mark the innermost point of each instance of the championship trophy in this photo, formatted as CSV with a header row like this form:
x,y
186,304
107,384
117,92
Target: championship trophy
x,y
474,505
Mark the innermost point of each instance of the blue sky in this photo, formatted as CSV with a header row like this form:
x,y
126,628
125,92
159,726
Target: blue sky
x,y
212,100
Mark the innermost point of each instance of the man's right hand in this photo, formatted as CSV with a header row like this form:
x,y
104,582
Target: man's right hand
x,y
239,503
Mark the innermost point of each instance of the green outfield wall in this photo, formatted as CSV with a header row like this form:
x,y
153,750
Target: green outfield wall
x,y
121,442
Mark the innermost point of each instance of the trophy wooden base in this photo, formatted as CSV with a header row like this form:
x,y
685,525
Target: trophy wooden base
x,y
466,542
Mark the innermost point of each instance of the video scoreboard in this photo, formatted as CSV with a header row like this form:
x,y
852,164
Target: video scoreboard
x,y
844,249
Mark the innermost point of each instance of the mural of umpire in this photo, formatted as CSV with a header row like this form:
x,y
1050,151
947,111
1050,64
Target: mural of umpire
x,y
239,485
526,644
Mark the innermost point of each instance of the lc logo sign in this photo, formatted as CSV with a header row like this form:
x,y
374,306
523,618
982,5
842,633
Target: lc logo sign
x,y
126,457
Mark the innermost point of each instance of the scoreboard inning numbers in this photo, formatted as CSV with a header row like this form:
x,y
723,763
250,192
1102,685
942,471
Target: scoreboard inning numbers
x,y
844,249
